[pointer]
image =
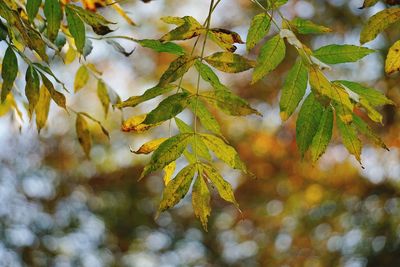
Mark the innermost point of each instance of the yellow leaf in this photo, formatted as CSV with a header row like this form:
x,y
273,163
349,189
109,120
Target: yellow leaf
x,y
169,171
392,63
201,200
378,23
83,133
150,146
42,108
134,124
81,78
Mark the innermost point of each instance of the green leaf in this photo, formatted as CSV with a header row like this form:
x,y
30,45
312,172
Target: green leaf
x,y
53,14
167,152
392,63
76,28
223,151
334,54
271,55
323,135
95,20
229,103
201,199
259,28
378,23
369,3
303,26
9,72
224,188
293,89
373,96
274,4
32,8
177,188
168,108
102,94
149,94
229,62
32,87
83,133
42,108
350,139
206,118
81,78
225,38
158,46
176,70
57,97
208,75
308,123
188,28
364,129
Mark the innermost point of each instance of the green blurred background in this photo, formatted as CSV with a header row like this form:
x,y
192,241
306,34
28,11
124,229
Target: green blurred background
x,y
59,209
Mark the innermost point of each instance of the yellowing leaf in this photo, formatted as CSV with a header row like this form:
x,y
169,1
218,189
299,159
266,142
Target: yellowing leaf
x,y
229,62
259,28
176,70
135,124
81,78
378,23
102,94
271,55
293,89
188,27
168,172
98,23
308,123
167,152
32,87
369,3
225,38
201,200
206,118
303,26
323,135
83,133
42,108
334,54
349,138
363,128
223,151
149,94
177,188
149,147
57,97
224,188
392,63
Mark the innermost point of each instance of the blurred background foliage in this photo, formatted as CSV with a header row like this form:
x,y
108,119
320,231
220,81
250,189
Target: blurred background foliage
x,y
59,209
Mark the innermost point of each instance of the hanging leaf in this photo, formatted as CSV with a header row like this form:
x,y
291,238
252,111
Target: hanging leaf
x,y
149,94
259,28
334,54
135,124
323,135
208,75
158,46
271,55
53,13
57,97
293,89
167,152
188,27
206,118
303,26
308,122
32,88
229,62
98,23
103,129
225,38
76,28
9,72
373,96
32,8
176,69
81,78
223,151
102,94
83,133
229,103
201,199
224,188
42,108
350,139
392,63
364,129
168,172
119,48
177,188
168,108
150,146
378,23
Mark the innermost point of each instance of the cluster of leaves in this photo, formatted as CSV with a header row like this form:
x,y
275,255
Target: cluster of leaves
x,y
327,102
